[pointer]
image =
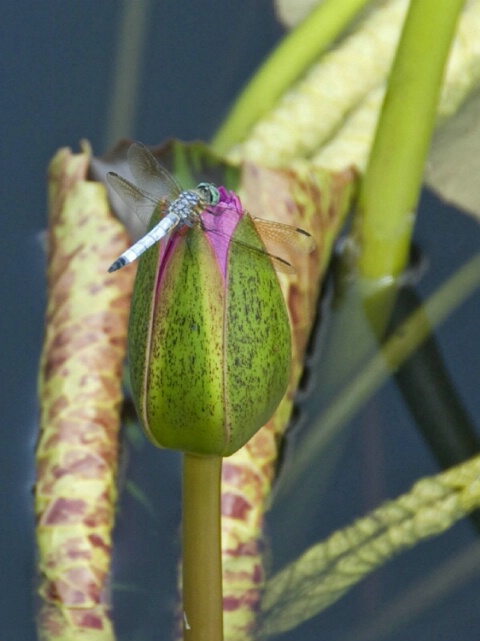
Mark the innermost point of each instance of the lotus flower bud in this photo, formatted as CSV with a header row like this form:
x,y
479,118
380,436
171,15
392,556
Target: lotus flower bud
x,y
209,335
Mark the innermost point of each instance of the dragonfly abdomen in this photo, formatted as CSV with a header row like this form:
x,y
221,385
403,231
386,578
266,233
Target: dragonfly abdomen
x,y
162,229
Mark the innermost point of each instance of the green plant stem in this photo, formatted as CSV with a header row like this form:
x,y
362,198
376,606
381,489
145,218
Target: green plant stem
x,y
202,561
289,60
393,178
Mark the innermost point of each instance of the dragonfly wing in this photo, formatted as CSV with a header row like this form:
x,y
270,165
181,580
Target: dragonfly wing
x,y
150,175
279,264
136,199
250,252
284,239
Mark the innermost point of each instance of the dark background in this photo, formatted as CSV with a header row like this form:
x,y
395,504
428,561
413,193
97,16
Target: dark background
x,y
57,67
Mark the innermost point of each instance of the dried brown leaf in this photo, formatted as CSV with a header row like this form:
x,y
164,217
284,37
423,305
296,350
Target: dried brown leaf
x,y
80,395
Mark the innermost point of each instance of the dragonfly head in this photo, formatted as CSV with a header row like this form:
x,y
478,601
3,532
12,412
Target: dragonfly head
x,y
209,193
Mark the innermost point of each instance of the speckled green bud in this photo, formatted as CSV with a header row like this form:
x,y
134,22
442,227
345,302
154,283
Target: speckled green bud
x,y
209,336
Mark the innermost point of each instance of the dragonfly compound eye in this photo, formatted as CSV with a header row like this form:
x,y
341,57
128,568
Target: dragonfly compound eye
x,y
209,192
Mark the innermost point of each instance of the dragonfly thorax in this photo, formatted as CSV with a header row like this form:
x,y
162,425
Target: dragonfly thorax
x,y
188,207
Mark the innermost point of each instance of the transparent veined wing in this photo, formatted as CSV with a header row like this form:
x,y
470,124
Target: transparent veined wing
x,y
284,240
136,199
150,176
279,263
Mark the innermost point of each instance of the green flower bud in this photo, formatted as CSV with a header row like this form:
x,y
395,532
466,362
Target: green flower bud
x,y
209,335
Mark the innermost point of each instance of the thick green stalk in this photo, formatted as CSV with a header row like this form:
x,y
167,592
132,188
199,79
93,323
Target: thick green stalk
x,y
393,178
202,561
289,60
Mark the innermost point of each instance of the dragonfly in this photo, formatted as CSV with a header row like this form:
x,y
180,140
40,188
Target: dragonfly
x,y
155,186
